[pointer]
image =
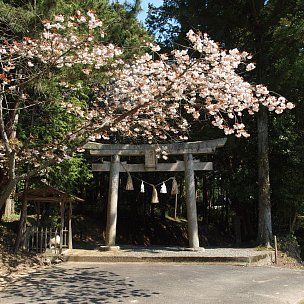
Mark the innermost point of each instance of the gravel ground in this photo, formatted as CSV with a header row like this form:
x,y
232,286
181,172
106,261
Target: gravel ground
x,y
17,266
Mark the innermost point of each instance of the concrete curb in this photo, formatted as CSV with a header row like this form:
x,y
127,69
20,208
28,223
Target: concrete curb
x,y
265,258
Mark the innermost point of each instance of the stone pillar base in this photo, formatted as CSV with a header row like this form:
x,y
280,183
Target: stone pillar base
x,y
198,249
108,248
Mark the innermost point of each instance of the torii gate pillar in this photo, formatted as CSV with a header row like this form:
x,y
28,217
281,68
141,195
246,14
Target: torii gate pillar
x,y
112,201
191,202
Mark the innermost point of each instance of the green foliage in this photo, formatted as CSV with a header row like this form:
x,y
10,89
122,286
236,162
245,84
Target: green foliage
x,y
15,18
45,124
263,248
71,175
289,245
122,27
286,51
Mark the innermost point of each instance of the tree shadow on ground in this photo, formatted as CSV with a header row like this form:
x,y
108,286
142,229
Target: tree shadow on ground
x,y
80,285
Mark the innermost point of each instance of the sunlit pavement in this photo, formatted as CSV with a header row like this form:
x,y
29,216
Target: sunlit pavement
x,y
157,283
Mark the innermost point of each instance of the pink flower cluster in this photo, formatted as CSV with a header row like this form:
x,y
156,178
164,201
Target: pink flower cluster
x,y
201,78
61,44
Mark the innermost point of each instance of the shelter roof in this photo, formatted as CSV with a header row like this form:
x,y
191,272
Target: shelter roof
x,y
48,194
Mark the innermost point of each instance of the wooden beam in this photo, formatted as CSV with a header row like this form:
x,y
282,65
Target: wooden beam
x,y
43,199
166,167
198,147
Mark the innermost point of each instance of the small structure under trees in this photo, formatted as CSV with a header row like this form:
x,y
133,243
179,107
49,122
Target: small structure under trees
x,y
50,195
187,150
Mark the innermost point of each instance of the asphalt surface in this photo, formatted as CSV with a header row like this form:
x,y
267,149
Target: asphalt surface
x,y
157,283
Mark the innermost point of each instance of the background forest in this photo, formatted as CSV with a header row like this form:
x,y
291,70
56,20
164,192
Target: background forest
x,y
237,195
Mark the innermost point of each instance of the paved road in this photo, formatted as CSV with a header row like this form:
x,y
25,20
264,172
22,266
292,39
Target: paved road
x,y
157,283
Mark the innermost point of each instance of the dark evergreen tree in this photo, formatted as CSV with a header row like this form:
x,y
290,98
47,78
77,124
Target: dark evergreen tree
x,y
273,31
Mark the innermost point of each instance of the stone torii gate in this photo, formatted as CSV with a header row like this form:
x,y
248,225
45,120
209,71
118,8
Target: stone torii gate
x,y
188,165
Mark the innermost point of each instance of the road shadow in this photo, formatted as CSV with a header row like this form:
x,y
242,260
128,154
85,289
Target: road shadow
x,y
79,285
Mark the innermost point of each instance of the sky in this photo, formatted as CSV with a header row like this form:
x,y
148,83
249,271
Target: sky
x,y
144,5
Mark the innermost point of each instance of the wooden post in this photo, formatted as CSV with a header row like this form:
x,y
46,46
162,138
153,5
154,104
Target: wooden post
x,y
191,202
55,246
27,237
40,240
62,207
37,239
112,201
46,239
70,227
65,243
38,214
275,250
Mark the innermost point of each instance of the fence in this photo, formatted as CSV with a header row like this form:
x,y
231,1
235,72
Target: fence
x,y
38,239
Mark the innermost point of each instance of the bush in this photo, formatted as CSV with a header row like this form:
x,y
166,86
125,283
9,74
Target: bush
x,y
290,245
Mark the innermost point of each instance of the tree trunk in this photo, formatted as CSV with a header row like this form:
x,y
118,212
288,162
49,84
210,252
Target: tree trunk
x,y
22,223
5,194
9,207
22,226
264,225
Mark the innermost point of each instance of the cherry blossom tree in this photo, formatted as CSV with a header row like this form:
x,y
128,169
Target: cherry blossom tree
x,y
154,96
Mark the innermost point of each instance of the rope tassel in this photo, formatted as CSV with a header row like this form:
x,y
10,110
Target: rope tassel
x,y
154,199
129,186
174,189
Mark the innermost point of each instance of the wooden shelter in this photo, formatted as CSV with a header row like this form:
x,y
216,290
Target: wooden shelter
x,y
48,194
